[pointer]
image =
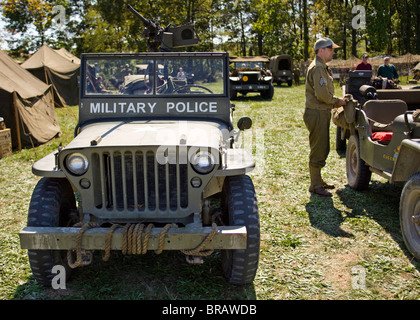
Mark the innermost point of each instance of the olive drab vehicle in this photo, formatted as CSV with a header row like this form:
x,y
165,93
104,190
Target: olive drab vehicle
x,y
384,138
153,165
281,67
249,74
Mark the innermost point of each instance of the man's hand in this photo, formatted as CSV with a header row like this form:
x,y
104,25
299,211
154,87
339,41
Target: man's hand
x,y
341,102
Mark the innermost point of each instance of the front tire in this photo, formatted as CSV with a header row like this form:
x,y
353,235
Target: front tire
x,y
239,208
358,173
410,214
269,93
51,205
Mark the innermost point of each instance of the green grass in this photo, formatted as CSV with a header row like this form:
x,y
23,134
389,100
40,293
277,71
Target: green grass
x,y
309,245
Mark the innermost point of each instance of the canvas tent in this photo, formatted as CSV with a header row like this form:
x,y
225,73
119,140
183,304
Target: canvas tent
x,y
416,72
64,53
26,104
53,68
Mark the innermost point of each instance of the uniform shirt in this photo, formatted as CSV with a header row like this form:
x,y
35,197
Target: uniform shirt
x,y
319,86
388,71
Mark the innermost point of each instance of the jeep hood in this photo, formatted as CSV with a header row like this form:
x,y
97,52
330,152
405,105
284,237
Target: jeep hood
x,y
150,133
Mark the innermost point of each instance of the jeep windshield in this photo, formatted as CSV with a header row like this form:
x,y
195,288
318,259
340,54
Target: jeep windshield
x,y
253,64
154,85
153,75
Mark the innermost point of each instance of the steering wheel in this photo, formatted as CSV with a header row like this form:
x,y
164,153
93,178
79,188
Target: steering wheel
x,y
187,87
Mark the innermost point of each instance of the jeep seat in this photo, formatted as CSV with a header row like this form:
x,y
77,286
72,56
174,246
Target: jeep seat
x,y
381,114
410,96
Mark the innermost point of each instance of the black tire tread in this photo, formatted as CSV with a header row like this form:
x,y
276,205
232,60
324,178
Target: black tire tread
x,y
364,174
409,232
50,202
240,266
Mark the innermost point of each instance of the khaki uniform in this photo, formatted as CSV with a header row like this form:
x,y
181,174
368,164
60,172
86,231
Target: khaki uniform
x,y
320,100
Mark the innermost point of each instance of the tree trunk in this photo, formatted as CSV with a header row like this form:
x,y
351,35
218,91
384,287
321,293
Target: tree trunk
x,y
305,31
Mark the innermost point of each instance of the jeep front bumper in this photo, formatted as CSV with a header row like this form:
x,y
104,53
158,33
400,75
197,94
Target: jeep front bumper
x,y
186,238
250,86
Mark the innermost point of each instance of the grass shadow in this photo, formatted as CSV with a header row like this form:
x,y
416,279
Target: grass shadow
x,y
148,277
380,203
325,217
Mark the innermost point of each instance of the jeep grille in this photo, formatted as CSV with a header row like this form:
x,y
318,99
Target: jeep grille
x,y
148,185
253,77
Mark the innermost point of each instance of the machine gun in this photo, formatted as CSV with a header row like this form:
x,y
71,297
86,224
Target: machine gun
x,y
165,39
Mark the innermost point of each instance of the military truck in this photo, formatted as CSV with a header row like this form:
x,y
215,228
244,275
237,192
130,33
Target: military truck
x,y
281,67
250,75
385,139
153,166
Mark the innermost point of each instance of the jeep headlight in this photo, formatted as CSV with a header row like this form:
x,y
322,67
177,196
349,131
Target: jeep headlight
x,y
77,163
203,162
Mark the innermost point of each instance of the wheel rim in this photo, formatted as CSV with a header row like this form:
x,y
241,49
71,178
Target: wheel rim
x,y
353,162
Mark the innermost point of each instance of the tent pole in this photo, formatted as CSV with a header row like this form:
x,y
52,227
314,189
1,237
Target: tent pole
x,y
52,95
17,120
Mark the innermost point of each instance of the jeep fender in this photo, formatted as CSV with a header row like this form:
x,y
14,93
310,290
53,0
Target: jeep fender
x,y
406,164
361,128
47,167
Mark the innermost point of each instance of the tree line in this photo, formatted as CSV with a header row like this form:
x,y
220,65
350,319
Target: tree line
x,y
241,27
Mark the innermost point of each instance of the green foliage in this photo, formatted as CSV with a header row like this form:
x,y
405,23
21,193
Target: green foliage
x,y
241,27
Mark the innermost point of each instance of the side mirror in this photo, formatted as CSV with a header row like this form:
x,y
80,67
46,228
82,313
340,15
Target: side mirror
x,y
244,123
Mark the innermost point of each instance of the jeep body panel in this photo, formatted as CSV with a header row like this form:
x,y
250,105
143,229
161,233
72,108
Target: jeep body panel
x,y
377,155
395,160
200,133
164,133
405,167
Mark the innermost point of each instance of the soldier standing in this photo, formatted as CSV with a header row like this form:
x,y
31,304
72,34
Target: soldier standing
x,y
320,100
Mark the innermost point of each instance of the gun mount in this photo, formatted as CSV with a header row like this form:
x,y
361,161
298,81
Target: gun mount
x,y
165,39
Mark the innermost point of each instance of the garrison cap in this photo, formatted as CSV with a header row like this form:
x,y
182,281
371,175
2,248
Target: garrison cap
x,y
324,43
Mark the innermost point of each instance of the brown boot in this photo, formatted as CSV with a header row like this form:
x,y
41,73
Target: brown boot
x,y
319,190
317,184
325,185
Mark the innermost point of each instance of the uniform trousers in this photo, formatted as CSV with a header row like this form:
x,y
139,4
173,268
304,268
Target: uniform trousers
x,y
318,123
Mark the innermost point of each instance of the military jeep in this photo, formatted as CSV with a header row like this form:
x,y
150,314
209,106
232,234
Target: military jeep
x,y
250,75
385,140
153,166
